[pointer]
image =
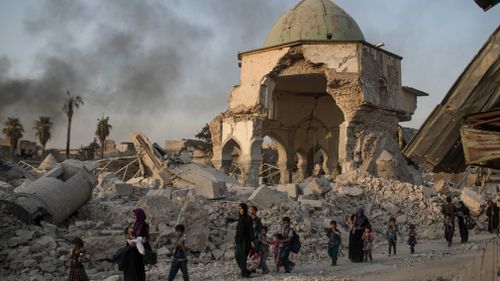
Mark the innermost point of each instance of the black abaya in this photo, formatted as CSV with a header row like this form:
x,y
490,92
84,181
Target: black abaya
x,y
356,243
133,267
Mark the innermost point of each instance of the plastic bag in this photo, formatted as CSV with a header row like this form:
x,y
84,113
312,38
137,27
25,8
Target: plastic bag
x,y
253,260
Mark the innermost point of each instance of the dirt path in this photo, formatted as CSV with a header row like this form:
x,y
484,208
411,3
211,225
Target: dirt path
x,y
433,260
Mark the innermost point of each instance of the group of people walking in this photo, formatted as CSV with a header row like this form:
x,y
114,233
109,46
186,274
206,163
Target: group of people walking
x,y
252,235
137,252
461,214
252,239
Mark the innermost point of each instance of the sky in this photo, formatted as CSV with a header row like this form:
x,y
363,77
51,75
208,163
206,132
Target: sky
x,y
167,67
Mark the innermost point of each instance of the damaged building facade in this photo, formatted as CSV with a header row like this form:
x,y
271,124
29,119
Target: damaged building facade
x,y
322,94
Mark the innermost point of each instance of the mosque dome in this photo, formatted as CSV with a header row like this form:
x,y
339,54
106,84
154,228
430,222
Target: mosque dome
x,y
314,20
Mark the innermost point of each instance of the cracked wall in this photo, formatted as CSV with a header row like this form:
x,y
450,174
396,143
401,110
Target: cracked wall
x,y
343,100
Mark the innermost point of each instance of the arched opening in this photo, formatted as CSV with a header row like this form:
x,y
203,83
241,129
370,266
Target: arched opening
x,y
308,118
273,168
231,153
383,91
299,171
316,162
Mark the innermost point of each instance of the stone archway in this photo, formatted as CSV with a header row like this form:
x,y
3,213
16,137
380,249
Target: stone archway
x,y
303,114
231,152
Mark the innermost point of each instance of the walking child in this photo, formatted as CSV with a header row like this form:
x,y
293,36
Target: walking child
x,y
276,250
368,243
264,249
77,255
285,245
392,234
412,238
179,260
334,241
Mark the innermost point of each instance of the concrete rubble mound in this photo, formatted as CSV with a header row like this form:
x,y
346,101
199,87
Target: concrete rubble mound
x,y
65,204
472,200
54,196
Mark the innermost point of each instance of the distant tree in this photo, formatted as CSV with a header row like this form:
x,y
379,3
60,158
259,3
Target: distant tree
x,y
71,103
42,130
13,130
205,136
102,132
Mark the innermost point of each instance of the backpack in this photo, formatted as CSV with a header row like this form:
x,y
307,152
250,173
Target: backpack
x,y
469,222
295,243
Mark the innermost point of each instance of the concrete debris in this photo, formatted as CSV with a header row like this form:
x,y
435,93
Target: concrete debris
x,y
472,200
110,184
208,181
54,196
48,163
315,185
264,197
210,224
195,218
350,190
393,209
166,192
151,164
292,189
311,203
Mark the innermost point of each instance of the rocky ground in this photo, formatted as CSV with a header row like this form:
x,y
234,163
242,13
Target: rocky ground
x,y
39,252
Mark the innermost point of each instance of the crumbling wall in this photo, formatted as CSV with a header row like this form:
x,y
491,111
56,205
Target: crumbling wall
x,y
365,84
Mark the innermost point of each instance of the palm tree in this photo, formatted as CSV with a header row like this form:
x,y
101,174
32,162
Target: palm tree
x,y
102,132
13,130
70,104
42,130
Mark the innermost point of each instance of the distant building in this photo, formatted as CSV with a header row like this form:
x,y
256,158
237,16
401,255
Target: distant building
x,y
25,148
126,148
109,147
199,150
323,95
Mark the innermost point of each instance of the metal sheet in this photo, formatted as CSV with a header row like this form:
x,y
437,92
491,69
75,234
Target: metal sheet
x,y
480,145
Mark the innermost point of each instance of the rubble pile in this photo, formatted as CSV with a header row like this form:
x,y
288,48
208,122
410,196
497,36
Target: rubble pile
x,y
39,252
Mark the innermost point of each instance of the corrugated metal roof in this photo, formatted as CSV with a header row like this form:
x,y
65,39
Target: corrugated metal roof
x,y
437,145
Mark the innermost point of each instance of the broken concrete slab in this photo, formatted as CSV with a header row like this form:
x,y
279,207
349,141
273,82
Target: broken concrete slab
x,y
317,204
318,186
48,163
122,189
151,165
291,189
472,200
264,197
350,190
159,209
59,197
165,192
391,208
196,221
209,182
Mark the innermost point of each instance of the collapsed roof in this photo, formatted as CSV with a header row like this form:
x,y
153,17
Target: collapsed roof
x,y
438,145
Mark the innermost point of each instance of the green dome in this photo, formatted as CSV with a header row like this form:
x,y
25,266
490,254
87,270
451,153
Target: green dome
x,y
314,20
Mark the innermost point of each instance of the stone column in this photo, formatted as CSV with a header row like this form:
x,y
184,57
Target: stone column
x,y
301,169
346,147
217,157
250,170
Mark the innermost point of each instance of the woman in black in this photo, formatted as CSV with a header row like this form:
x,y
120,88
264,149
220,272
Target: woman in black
x,y
360,221
462,214
243,239
133,266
